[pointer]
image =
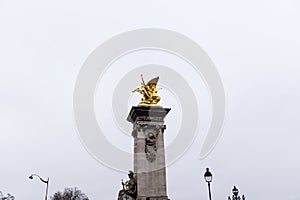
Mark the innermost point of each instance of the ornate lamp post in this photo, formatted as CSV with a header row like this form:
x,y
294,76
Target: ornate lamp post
x,y
208,179
235,195
44,181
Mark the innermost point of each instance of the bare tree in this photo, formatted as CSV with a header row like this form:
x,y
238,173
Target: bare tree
x,y
8,197
69,194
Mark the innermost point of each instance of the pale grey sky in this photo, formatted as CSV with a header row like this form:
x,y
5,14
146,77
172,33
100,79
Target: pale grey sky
x,y
254,45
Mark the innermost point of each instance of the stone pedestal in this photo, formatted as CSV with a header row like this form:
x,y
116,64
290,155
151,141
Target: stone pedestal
x,y
149,154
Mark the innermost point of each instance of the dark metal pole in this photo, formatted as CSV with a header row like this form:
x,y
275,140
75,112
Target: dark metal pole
x,y
46,197
209,193
47,183
208,178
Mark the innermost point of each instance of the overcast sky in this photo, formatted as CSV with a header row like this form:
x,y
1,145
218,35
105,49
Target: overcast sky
x,y
255,46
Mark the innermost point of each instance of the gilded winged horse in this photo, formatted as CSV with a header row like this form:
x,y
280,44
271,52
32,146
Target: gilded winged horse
x,y
149,92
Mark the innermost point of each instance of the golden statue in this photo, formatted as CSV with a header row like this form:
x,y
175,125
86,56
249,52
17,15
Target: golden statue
x,y
149,92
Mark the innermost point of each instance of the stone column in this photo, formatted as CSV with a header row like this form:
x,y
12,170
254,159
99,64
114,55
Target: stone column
x,y
149,152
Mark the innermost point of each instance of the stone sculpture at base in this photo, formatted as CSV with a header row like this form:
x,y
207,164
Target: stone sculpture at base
x,y
129,188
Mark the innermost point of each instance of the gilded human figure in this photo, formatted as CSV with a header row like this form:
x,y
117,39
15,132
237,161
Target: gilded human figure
x,y
149,92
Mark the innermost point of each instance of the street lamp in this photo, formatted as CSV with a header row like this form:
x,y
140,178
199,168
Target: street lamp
x,y
44,181
208,179
235,195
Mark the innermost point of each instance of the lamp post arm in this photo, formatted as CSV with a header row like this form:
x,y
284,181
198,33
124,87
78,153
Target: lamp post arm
x,y
44,181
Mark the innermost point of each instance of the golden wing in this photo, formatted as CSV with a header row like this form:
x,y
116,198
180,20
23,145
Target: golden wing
x,y
153,81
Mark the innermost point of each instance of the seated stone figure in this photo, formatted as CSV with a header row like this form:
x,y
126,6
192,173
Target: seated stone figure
x,y
129,191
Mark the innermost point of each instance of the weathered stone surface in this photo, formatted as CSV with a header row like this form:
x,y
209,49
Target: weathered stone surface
x,y
149,152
